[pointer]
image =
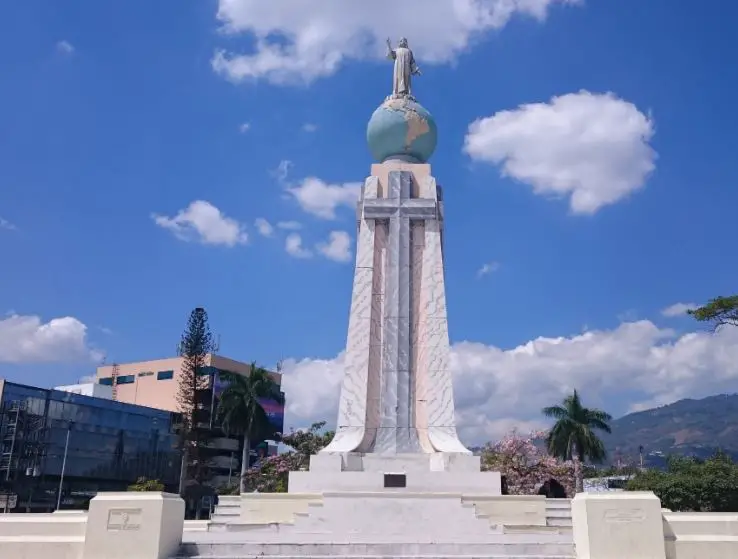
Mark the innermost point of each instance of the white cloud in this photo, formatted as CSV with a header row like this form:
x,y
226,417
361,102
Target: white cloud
x,y
5,224
245,127
203,222
309,127
294,247
638,364
289,225
488,268
678,309
264,228
337,248
26,339
298,41
321,199
65,47
282,171
592,147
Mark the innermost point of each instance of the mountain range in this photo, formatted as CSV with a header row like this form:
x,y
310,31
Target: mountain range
x,y
687,427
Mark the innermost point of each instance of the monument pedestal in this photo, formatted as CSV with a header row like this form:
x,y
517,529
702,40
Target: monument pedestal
x,y
408,473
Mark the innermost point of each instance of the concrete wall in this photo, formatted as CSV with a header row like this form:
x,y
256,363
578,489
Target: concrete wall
x,y
700,535
633,525
151,525
118,526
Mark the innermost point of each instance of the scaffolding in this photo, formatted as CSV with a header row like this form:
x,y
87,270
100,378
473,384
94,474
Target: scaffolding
x,y
22,440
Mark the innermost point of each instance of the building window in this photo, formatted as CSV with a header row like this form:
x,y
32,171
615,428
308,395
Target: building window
x,y
165,375
146,374
126,379
107,381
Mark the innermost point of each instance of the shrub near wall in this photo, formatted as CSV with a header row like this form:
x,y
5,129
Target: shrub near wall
x,y
692,485
143,484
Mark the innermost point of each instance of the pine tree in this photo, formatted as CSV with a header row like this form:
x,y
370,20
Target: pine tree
x,y
194,348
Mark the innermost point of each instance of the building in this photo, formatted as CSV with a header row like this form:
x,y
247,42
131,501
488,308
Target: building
x,y
155,384
88,389
94,444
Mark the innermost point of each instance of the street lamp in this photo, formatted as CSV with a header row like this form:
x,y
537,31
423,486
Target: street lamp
x,y
64,465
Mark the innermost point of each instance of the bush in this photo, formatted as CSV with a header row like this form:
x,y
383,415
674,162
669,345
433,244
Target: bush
x,y
231,489
692,485
143,484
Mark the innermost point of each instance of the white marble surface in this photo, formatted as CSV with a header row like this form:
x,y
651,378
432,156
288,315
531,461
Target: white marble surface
x,y
618,526
358,390
701,535
127,525
397,395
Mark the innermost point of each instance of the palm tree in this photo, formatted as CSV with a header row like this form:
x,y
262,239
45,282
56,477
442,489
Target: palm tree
x,y
241,413
573,435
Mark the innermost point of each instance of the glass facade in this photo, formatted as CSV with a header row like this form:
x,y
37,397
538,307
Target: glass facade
x,y
107,445
273,409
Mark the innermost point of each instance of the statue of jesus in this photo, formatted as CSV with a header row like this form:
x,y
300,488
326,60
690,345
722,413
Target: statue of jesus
x,y
405,68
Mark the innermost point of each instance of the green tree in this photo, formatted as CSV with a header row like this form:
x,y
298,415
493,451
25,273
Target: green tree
x,y
574,437
240,411
718,312
692,485
194,348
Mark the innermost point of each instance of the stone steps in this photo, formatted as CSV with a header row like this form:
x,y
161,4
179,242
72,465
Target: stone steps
x,y
471,537
558,513
458,550
477,556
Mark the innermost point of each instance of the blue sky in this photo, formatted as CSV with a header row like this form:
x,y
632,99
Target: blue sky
x,y
596,186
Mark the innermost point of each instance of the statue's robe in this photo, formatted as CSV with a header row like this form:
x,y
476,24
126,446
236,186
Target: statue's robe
x,y
404,69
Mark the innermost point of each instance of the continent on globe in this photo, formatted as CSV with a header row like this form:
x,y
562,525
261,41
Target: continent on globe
x,y
401,128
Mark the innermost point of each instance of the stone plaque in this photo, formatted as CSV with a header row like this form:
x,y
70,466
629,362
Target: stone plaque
x,y
124,520
620,516
395,480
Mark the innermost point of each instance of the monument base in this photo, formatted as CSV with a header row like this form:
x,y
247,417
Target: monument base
x,y
389,522
398,473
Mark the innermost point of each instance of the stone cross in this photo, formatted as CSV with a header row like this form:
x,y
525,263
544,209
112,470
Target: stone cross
x,y
397,431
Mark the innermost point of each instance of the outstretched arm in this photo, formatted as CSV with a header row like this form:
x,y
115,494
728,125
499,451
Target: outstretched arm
x,y
390,51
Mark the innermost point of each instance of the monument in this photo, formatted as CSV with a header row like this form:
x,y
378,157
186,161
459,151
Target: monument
x,y
396,410
397,395
395,480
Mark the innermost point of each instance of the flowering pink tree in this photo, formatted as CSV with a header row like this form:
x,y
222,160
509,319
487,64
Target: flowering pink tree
x,y
525,465
270,474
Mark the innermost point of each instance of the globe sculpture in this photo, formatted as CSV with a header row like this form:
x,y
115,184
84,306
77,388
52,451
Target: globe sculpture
x,y
401,128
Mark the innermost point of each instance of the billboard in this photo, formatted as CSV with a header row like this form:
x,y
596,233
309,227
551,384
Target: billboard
x,y
273,409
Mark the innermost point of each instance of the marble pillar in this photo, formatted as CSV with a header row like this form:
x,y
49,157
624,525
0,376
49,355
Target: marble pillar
x,y
397,394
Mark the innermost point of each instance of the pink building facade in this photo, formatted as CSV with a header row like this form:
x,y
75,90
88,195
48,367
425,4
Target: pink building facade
x,y
154,383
